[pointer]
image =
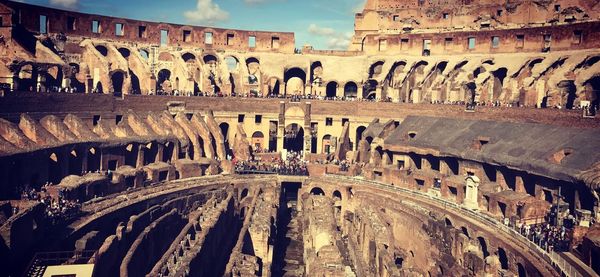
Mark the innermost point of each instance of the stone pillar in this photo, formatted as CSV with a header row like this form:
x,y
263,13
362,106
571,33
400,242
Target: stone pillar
x,y
176,149
307,128
471,197
359,91
140,156
159,152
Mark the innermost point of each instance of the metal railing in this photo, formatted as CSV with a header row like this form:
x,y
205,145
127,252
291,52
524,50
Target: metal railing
x,y
553,258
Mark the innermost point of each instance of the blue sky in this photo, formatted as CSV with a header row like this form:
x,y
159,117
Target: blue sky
x,y
325,24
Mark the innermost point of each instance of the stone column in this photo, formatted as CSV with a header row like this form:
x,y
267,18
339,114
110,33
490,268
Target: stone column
x,y
84,160
359,91
159,152
176,149
281,126
140,156
471,197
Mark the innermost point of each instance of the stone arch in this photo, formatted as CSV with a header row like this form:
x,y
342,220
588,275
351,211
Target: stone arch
x,y
592,87
331,90
232,63
145,54
209,58
102,50
521,272
188,57
448,222
274,85
317,191
316,72
254,74
483,246
350,90
293,138
375,69
224,126
125,52
243,193
359,132
503,258
337,194
117,81
370,89
163,81
465,231
295,79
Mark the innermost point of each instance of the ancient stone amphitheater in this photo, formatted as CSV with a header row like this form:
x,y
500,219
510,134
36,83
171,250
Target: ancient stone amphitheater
x,y
452,138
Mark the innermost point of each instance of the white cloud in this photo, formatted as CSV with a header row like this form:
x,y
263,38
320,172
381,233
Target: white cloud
x,y
335,40
206,12
70,4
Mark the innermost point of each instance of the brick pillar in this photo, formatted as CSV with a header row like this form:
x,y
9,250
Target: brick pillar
x,y
140,156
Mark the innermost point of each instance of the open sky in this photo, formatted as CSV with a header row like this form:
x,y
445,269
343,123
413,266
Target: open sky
x,y
324,24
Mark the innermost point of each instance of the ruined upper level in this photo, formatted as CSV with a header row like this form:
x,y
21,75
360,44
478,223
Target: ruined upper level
x,y
48,21
521,26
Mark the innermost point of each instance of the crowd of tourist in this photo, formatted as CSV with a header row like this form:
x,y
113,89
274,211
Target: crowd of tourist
x,y
58,209
292,165
548,237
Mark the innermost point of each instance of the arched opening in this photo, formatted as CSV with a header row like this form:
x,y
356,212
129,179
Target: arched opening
x,y
273,87
257,140
483,247
316,71
131,155
521,270
350,90
135,83
168,152
293,138
359,132
375,69
163,82
232,63
465,231
188,57
144,54
448,222
593,93
369,89
117,79
254,77
317,191
225,131
337,195
503,258
102,50
331,90
124,52
52,78
208,59
326,142
244,193
294,78
74,83
27,78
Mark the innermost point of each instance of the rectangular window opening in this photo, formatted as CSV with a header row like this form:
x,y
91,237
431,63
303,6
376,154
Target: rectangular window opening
x,y
208,38
520,41
230,39
141,31
119,29
258,119
471,43
164,37
251,41
241,118
275,42
448,43
329,121
577,36
43,24
96,28
344,121
495,42
187,35
71,23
